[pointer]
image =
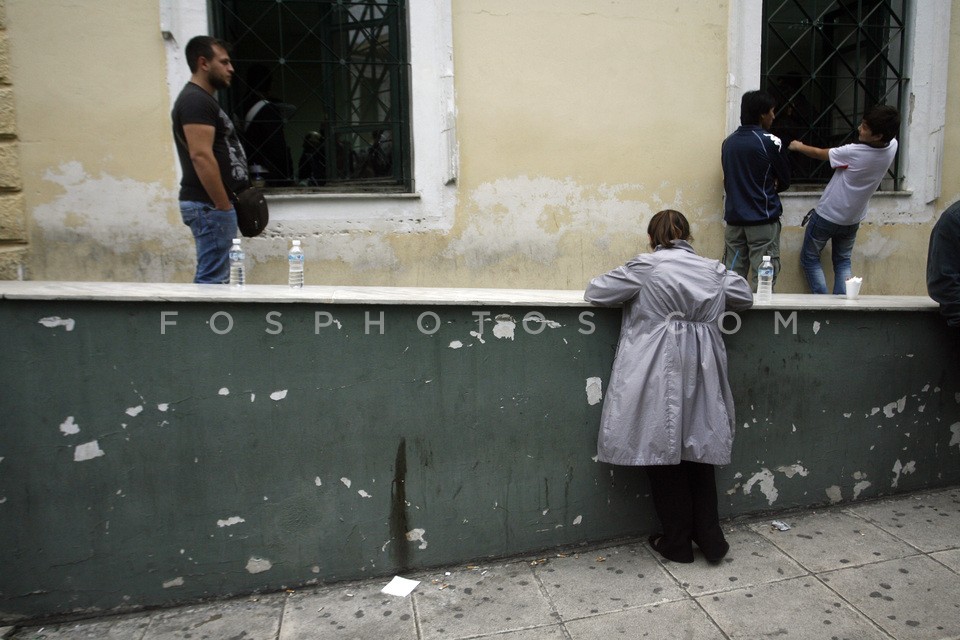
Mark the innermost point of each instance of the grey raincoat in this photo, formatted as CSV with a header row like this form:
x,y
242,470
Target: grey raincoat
x,y
668,398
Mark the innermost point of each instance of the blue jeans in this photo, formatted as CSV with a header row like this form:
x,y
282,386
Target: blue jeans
x,y
841,238
213,231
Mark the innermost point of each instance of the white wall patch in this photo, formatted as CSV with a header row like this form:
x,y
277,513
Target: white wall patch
x,y
346,482
816,327
793,469
833,493
765,479
134,411
859,487
317,481
505,327
577,520
456,344
163,406
55,321
416,535
224,391
258,565
904,469
229,522
955,430
69,427
898,406
364,494
176,582
87,451
594,391
278,395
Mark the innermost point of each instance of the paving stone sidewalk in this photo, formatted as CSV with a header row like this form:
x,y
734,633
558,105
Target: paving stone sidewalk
x,y
888,569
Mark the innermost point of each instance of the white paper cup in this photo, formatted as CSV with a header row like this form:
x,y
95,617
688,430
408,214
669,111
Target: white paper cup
x,y
853,288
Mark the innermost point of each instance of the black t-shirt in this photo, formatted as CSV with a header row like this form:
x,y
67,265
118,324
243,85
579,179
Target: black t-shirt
x,y
196,106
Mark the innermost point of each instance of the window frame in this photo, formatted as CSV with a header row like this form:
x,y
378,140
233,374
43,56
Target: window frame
x,y
434,151
924,116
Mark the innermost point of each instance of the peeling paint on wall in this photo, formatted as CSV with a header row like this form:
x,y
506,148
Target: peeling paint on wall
x,y
505,327
278,395
765,480
229,522
792,470
834,494
527,216
899,468
594,391
55,321
258,565
416,535
897,405
87,451
69,427
176,582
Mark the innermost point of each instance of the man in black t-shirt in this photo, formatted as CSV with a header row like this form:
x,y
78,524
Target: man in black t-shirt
x,y
211,157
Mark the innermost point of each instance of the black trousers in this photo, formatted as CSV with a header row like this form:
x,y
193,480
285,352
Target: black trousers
x,y
685,499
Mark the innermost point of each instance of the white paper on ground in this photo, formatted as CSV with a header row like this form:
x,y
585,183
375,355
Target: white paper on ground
x,y
400,587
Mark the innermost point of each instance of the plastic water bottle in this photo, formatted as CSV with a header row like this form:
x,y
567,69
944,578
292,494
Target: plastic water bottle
x,y
295,258
765,280
236,264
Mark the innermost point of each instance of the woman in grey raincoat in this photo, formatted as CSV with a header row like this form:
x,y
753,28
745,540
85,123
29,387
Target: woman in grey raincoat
x,y
668,405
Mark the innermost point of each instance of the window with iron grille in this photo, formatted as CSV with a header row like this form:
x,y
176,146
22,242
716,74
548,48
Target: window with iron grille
x,y
320,92
826,62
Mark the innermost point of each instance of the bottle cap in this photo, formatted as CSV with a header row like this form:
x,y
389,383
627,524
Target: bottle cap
x,y
296,243
236,241
766,258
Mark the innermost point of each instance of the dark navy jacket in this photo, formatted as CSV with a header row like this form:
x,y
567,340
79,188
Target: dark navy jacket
x,y
755,170
943,264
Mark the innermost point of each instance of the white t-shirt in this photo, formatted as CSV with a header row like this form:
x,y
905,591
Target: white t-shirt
x,y
858,170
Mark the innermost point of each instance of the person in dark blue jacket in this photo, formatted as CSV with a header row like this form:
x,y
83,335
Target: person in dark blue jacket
x,y
943,264
756,168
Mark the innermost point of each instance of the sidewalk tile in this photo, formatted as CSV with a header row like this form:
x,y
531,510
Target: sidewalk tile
x,y
606,580
113,628
360,611
799,609
679,620
950,558
255,618
928,521
911,598
474,602
833,540
752,560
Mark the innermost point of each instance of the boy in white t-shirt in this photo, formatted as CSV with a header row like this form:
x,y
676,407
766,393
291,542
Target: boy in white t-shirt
x,y
858,170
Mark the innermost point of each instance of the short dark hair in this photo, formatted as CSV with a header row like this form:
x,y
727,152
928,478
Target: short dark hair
x,y
202,47
754,104
666,226
884,120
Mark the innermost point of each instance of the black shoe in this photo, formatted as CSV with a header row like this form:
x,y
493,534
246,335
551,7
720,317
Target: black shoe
x,y
716,559
655,541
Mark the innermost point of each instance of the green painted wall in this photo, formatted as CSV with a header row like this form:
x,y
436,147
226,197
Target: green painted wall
x,y
144,463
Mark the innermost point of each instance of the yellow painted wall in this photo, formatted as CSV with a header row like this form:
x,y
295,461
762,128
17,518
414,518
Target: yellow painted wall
x,y
576,121
92,108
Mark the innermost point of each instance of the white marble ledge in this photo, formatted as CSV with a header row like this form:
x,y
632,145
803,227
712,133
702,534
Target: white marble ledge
x,y
176,292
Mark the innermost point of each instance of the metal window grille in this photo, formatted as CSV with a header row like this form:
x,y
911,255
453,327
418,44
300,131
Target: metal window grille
x,y
826,62
331,78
